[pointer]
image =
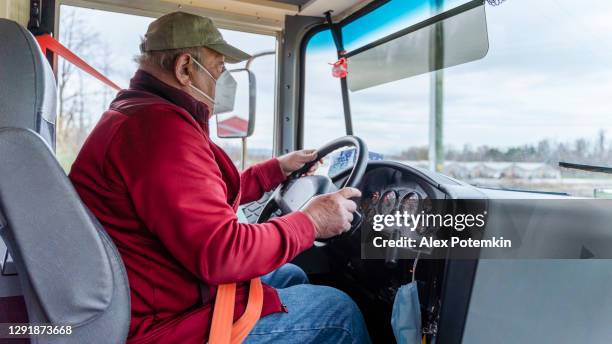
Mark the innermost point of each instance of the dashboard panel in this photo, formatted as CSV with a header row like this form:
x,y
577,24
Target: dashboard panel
x,y
445,285
389,187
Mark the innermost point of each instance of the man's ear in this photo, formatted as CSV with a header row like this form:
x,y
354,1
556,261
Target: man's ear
x,y
182,69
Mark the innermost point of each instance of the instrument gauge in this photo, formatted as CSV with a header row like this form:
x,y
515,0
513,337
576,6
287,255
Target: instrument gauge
x,y
427,205
387,202
410,204
375,197
370,201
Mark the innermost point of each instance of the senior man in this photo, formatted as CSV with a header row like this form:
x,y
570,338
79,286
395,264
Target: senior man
x,y
168,196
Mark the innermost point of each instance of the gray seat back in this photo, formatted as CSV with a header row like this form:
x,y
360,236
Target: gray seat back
x,y
28,96
69,270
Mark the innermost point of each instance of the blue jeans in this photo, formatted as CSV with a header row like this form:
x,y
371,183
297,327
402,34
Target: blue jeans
x,y
315,314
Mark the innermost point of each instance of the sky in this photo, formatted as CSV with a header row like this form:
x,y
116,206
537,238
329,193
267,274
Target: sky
x,y
546,76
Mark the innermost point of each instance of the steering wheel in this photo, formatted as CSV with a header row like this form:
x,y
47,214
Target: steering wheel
x,y
298,189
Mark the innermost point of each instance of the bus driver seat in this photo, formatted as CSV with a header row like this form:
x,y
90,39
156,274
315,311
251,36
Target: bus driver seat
x,y
69,270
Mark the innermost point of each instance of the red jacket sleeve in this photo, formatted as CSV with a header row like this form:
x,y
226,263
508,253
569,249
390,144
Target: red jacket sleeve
x,y
260,178
178,192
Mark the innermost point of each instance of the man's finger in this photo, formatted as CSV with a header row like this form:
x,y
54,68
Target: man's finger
x,y
349,205
349,217
308,156
349,192
308,152
313,168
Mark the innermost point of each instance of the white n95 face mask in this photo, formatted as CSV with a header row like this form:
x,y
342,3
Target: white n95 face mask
x,y
225,91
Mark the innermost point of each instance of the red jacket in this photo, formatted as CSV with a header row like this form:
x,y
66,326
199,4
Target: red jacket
x,y
168,195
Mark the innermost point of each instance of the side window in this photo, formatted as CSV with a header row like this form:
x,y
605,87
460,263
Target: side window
x,y
94,36
323,111
110,48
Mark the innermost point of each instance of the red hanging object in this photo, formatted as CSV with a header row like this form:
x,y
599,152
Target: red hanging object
x,y
46,42
340,68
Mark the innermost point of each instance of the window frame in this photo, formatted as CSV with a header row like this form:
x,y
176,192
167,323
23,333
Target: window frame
x,y
302,63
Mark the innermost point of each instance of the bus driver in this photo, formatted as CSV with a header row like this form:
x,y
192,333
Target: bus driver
x,y
168,196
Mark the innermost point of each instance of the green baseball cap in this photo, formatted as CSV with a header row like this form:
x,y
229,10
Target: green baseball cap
x,y
179,30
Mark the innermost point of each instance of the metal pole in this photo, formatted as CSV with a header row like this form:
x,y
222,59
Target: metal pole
x,y
436,105
244,139
436,122
244,154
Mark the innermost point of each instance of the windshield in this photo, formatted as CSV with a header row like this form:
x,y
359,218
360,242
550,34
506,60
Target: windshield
x,y
540,96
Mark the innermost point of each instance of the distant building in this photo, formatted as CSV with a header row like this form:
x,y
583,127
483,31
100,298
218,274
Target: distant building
x,y
457,170
530,170
514,171
466,170
483,170
233,127
547,171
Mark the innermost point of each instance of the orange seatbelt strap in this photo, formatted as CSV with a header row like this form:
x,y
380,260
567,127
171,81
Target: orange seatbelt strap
x,y
47,42
222,331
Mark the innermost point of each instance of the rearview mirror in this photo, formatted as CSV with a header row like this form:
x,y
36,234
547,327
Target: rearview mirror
x,y
240,121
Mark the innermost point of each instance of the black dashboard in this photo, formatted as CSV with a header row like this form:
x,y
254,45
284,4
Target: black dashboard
x,y
387,190
390,188
445,284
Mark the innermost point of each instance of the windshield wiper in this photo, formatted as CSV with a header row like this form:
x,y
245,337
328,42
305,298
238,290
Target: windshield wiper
x,y
590,168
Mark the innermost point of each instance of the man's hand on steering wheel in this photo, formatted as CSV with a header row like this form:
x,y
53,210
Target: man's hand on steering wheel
x,y
332,213
293,161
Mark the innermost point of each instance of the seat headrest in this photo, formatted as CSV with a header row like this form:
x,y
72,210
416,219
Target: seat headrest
x,y
28,93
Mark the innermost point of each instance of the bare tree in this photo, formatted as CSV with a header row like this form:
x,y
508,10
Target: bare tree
x,y
76,98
